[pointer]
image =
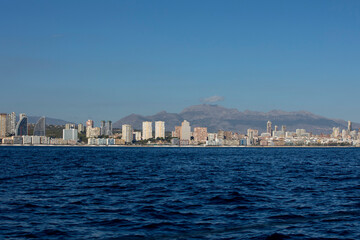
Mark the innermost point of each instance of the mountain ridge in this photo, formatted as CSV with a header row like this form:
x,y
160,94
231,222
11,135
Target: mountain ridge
x,y
216,117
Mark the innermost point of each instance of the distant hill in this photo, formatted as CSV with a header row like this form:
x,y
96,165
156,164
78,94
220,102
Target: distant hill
x,y
49,121
216,117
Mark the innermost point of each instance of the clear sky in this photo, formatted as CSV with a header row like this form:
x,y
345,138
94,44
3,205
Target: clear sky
x,y
76,60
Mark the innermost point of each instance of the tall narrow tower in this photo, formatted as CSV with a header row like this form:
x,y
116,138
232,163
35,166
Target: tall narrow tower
x,y
268,127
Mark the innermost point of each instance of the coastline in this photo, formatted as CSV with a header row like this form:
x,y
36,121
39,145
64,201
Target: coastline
x,y
166,146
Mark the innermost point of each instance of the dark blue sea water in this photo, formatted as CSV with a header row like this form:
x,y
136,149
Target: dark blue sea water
x,y
179,193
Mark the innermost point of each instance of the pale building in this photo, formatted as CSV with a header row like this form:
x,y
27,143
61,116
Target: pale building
x,y
349,126
200,134
336,132
3,118
70,134
185,133
127,133
90,123
159,129
252,132
147,130
22,126
283,128
69,126
40,127
268,127
81,128
92,132
137,136
11,124
177,132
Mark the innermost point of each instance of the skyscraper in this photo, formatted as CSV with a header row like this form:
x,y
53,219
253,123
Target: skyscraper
x,y
108,128
39,129
102,128
127,133
147,130
81,128
185,131
268,127
349,126
283,128
22,126
200,134
90,123
11,124
3,117
159,129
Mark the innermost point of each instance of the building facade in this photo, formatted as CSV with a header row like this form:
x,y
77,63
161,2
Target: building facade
x,y
70,134
22,126
127,133
146,130
185,131
3,123
40,126
200,134
159,129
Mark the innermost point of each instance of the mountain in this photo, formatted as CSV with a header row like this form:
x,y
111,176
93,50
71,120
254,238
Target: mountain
x,y
49,121
216,117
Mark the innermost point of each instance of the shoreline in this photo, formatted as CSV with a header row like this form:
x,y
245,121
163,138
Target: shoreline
x,y
166,146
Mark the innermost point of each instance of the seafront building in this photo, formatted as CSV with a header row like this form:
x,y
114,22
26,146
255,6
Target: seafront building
x,y
185,133
11,124
147,130
70,134
22,126
81,128
3,123
200,134
159,129
40,126
127,133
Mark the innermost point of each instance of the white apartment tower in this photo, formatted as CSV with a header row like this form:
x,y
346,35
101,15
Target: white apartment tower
x,y
127,133
159,129
185,133
147,130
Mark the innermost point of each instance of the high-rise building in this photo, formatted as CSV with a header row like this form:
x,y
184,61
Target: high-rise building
x,y
90,123
276,128
81,128
70,126
22,126
3,118
228,135
268,127
283,128
102,128
11,124
200,134
70,134
176,133
92,132
185,131
137,136
146,130
349,126
336,132
127,133
39,129
108,128
159,129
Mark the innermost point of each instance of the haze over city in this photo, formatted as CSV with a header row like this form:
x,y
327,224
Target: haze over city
x,y
105,60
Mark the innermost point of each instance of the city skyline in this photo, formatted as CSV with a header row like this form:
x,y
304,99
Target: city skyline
x,y
280,55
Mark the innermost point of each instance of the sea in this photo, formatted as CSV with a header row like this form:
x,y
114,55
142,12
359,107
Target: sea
x,y
179,193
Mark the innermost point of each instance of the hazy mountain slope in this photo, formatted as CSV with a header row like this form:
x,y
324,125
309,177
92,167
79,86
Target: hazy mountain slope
x,y
216,117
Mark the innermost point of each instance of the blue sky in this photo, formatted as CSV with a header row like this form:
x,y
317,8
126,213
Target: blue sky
x,y
76,60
